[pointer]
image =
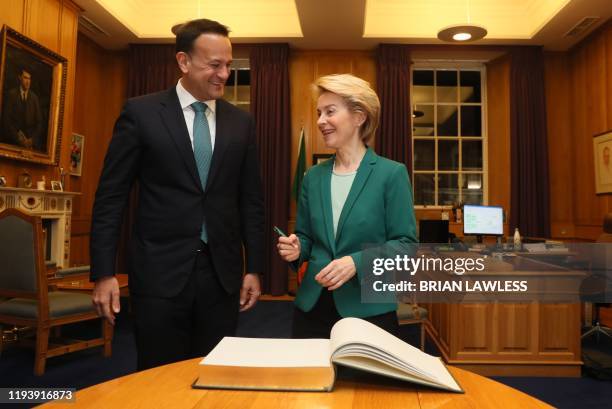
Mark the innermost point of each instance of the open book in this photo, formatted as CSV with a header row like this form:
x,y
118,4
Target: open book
x,y
308,364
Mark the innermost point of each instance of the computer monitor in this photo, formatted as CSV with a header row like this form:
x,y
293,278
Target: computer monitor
x,y
483,221
433,231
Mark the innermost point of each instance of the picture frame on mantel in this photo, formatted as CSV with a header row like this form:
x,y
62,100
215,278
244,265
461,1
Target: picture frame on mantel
x,y
32,94
602,158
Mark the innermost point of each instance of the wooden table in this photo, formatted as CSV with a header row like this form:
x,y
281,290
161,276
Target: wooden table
x,y
81,283
169,386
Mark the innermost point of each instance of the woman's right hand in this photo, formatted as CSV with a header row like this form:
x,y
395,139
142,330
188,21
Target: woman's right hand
x,y
289,247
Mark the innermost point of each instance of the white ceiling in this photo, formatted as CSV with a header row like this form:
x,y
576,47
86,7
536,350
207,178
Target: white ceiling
x,y
346,24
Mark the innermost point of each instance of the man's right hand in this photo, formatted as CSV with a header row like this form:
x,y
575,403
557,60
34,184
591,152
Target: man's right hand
x,y
23,139
106,298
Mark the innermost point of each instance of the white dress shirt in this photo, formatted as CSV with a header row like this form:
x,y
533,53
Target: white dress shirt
x,y
186,99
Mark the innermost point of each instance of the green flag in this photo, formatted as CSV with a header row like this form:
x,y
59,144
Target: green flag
x,y
300,168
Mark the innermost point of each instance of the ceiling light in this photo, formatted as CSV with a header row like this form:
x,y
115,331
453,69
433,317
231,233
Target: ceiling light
x,y
462,36
464,33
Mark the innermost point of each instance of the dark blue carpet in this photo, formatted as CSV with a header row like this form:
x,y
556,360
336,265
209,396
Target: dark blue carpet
x,y
269,319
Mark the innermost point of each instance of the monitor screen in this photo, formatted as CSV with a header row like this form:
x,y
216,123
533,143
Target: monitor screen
x,y
433,231
483,220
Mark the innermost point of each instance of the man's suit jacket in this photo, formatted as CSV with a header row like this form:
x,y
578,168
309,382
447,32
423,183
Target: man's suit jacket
x,y
377,210
25,116
151,145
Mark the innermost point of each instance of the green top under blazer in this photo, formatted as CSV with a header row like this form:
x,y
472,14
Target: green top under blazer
x,y
378,210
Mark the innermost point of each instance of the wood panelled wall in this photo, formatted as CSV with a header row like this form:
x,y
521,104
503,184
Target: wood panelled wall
x,y
579,104
54,24
101,87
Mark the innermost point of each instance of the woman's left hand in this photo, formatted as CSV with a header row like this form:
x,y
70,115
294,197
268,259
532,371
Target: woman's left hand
x,y
336,273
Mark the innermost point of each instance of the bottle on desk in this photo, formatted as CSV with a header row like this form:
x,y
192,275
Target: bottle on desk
x,y
518,243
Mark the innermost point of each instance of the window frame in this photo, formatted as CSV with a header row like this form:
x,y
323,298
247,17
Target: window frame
x,y
435,65
238,64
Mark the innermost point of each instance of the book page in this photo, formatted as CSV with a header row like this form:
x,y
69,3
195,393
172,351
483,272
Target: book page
x,y
351,331
270,353
369,365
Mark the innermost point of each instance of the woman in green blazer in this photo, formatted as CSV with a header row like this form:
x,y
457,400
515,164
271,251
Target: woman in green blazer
x,y
353,199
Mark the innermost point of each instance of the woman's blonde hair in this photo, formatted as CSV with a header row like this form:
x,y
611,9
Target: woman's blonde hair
x,y
357,95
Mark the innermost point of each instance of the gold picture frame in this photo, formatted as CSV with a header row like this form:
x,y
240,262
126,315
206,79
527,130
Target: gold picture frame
x,y
32,93
602,155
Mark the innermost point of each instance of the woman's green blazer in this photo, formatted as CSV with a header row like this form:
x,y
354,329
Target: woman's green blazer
x,y
378,210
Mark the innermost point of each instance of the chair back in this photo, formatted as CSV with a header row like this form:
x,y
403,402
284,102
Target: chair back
x,y
21,257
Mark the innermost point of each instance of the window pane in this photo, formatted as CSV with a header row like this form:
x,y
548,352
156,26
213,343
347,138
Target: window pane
x,y
244,93
231,80
424,189
244,77
472,188
422,86
447,120
471,121
424,154
470,86
471,155
228,93
448,189
448,155
446,86
230,85
423,120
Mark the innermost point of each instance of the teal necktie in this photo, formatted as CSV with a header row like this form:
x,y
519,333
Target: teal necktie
x,y
202,150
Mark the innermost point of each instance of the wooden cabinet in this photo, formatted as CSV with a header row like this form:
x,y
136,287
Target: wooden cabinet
x,y
506,339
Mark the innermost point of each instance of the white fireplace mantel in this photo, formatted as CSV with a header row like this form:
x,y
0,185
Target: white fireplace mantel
x,y
54,207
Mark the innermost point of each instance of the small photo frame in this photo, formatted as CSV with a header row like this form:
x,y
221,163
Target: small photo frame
x,y
602,151
318,158
24,180
56,186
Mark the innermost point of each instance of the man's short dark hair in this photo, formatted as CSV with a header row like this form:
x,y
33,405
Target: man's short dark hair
x,y
187,33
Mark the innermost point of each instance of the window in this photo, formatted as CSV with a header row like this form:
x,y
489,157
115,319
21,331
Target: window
x,y
238,85
448,134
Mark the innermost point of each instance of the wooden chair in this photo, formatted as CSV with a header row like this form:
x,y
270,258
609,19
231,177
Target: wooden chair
x,y
23,278
412,313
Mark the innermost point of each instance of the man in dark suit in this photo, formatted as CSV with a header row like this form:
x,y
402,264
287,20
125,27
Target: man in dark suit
x,y
23,122
194,157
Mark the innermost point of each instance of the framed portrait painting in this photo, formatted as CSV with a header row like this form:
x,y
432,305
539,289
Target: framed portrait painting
x,y
602,151
32,91
76,154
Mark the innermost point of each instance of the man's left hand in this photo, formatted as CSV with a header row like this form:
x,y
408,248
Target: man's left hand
x,y
250,291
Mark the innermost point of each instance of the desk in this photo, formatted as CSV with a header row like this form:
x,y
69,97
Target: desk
x,y
511,338
169,387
